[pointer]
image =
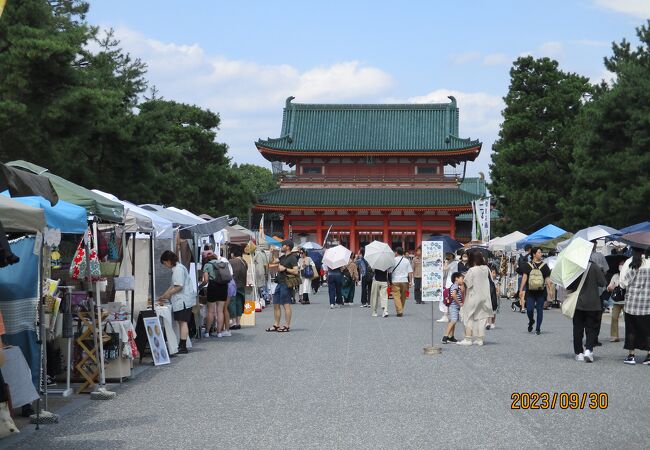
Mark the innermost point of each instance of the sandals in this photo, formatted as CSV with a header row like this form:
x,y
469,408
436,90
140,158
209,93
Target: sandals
x,y
273,328
283,330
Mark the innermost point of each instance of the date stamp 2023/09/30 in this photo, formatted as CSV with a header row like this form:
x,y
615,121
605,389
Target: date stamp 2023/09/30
x,y
559,400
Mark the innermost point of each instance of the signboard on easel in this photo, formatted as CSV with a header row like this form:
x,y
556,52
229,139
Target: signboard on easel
x,y
432,271
156,340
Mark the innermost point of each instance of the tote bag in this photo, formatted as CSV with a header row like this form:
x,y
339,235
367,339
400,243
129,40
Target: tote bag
x,y
571,300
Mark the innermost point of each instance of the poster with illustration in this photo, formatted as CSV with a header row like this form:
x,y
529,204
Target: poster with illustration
x,y
432,271
156,341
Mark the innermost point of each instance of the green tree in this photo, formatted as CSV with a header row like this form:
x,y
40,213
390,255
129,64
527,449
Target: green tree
x,y
530,164
611,167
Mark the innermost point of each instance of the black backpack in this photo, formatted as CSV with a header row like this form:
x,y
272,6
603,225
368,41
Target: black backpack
x,y
493,294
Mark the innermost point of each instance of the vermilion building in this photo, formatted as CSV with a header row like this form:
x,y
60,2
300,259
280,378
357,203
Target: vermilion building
x,y
369,171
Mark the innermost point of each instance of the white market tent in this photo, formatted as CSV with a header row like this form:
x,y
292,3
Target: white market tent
x,y
506,243
174,215
141,220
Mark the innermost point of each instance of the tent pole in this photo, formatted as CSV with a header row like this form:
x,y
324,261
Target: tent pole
x,y
98,305
133,275
151,269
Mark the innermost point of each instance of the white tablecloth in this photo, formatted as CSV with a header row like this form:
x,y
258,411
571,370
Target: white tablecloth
x,y
19,378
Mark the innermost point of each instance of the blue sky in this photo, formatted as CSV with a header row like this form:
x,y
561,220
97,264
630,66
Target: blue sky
x,y
242,59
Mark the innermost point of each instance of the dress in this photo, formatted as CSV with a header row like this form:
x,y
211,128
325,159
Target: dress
x,y
477,307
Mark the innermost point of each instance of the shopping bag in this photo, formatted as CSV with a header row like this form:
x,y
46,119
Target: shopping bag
x,y
571,300
79,269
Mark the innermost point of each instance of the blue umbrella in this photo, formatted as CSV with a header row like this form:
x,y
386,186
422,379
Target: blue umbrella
x,y
449,245
317,257
643,226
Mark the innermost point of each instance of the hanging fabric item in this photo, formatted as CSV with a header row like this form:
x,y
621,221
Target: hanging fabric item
x,y
113,249
78,267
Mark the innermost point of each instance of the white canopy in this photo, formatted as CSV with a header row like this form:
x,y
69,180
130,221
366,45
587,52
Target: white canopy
x,y
176,217
141,220
506,243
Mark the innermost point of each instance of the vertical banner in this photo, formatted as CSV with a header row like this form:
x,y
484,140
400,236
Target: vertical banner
x,y
476,230
481,220
432,271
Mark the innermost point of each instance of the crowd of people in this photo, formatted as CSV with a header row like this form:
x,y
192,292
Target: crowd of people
x,y
471,298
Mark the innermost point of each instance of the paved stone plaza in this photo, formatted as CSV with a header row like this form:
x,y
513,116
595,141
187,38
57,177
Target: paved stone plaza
x,y
341,379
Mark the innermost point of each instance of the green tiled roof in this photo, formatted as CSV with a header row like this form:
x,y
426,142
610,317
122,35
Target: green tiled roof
x,y
363,128
366,197
467,217
476,186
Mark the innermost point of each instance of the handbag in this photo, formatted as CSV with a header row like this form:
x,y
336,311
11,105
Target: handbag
x,y
618,294
571,300
79,269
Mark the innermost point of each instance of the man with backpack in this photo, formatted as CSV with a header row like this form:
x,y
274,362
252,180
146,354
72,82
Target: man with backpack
x,y
366,275
535,278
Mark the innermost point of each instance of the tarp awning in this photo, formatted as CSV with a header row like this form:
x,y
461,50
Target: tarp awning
x,y
542,235
20,183
95,204
208,228
64,216
506,243
20,218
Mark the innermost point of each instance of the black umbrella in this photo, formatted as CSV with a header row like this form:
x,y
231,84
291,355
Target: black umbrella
x,y
487,254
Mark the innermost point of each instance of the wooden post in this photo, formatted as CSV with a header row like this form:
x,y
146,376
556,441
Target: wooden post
x,y
386,218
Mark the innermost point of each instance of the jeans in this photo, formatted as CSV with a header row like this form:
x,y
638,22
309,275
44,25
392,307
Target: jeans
x,y
334,284
535,301
418,290
366,285
585,323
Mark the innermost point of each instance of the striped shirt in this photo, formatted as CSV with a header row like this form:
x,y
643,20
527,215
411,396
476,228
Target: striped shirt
x,y
637,288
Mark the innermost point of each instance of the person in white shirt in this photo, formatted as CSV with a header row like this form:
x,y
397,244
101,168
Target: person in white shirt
x,y
401,280
181,295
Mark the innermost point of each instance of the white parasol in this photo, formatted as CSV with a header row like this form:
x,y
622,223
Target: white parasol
x,y
336,257
379,255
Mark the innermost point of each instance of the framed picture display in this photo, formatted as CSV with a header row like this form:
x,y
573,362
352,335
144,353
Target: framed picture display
x,y
156,341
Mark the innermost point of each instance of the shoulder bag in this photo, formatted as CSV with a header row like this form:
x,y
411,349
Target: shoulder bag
x,y
571,300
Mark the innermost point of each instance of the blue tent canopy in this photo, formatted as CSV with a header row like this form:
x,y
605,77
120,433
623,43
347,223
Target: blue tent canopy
x,y
449,245
272,241
542,235
64,216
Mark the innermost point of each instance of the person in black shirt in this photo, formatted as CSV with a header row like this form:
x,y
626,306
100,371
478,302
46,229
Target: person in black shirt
x,y
522,263
538,288
287,271
378,291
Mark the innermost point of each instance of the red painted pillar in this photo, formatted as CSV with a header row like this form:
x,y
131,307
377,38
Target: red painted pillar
x,y
319,227
386,219
285,224
452,223
418,230
353,231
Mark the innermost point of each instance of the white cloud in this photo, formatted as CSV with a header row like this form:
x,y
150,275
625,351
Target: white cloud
x,y
637,8
248,95
551,49
604,74
592,43
465,58
491,59
480,118
495,59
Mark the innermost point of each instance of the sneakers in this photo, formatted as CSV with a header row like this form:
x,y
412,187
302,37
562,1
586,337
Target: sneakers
x,y
385,314
589,356
580,357
538,332
331,306
465,342
206,334
362,306
478,342
530,325
445,340
374,314
399,314
646,362
182,350
614,339
226,334
630,360
452,339
443,319
215,334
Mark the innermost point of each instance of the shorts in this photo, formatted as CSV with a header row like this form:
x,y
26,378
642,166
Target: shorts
x,y
217,292
282,295
454,312
184,315
236,306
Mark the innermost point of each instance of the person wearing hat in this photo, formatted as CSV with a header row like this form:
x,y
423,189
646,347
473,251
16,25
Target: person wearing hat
x,y
287,271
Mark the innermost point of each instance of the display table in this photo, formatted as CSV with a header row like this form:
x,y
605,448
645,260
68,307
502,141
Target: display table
x,y
19,378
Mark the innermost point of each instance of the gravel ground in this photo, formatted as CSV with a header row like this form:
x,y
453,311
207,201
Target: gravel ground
x,y
342,379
